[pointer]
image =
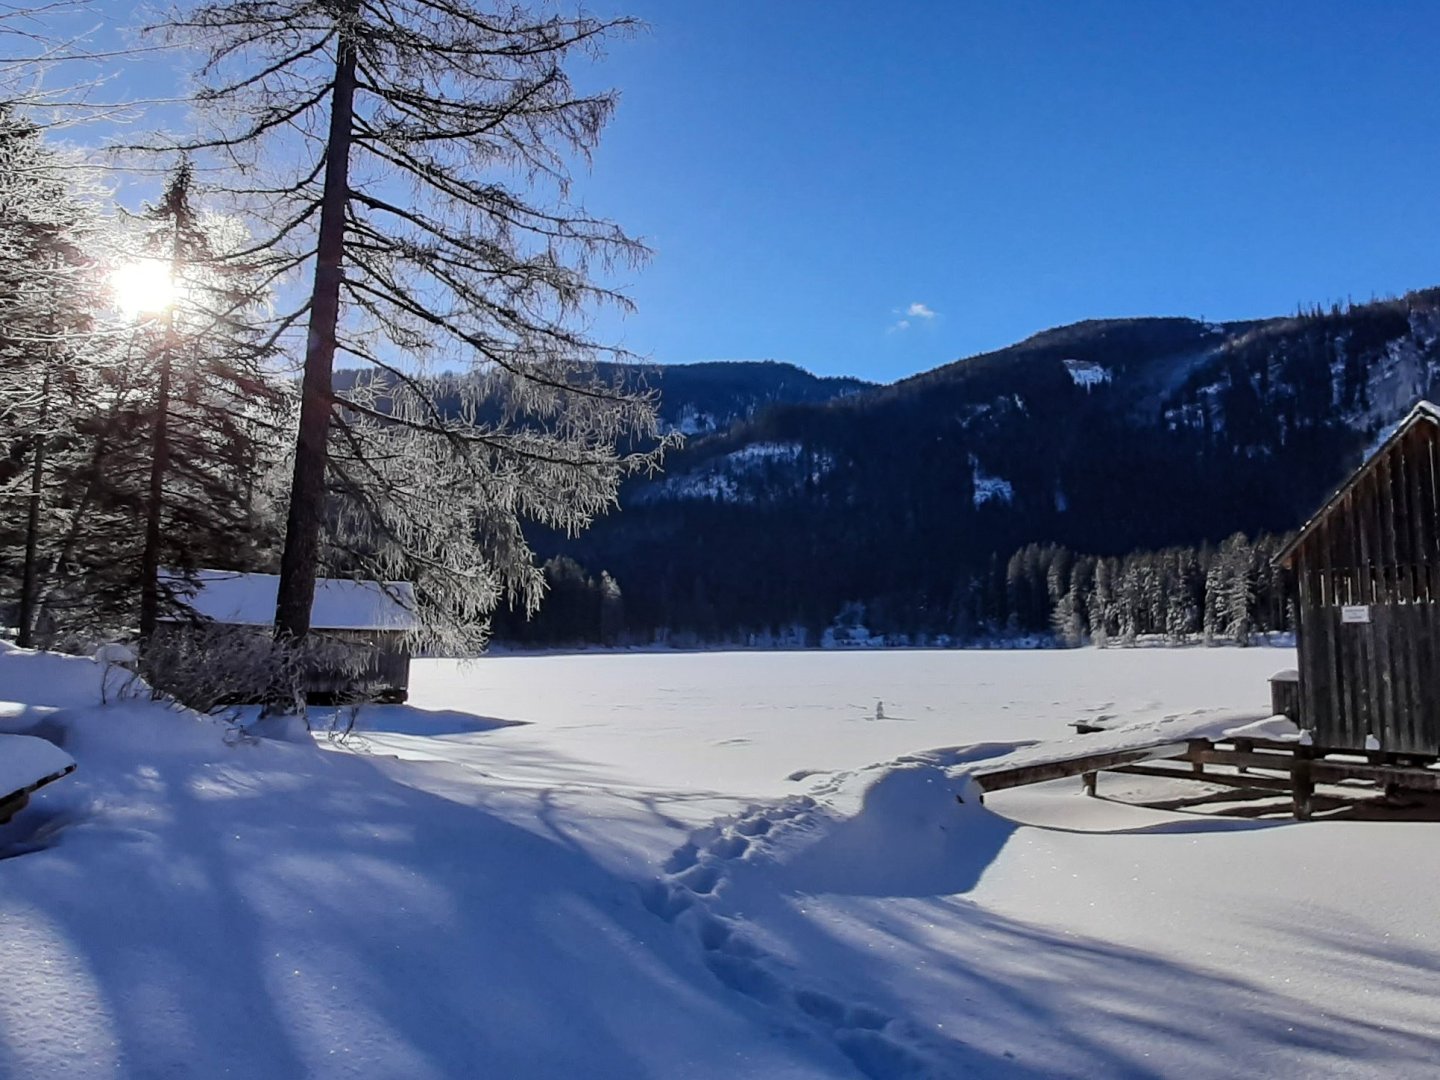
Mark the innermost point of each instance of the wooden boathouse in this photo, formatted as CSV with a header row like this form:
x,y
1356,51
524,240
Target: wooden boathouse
x,y
1367,574
368,623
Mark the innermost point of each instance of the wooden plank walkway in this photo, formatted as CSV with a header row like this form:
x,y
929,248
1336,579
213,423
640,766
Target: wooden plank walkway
x,y
1000,777
1282,765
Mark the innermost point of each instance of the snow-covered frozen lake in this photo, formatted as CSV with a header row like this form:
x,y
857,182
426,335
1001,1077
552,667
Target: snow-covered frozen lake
x,y
741,723
696,865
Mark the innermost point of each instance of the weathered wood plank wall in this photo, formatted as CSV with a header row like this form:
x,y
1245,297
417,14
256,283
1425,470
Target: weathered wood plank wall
x,y
1377,547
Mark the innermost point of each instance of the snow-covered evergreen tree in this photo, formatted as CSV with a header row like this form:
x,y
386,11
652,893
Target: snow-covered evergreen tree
x,y
1238,596
212,417
1102,601
1067,620
50,356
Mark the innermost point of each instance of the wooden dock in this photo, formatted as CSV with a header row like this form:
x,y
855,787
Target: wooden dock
x,y
1260,764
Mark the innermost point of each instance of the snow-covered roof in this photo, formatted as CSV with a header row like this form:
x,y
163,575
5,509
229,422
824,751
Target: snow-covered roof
x,y
249,600
27,761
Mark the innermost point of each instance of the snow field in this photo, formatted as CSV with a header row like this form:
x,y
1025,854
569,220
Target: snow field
x,y
720,864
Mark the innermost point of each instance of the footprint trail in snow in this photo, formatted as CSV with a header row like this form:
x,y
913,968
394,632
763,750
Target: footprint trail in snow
x,y
756,846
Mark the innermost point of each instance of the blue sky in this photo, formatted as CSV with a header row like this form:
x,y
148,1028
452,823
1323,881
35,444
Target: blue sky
x,y
809,171
878,189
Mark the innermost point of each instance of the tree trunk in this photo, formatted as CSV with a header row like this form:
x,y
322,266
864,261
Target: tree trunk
x,y
160,438
29,580
54,578
299,561
154,507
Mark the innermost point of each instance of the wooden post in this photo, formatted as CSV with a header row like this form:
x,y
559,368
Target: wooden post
x,y
1285,694
12,805
1089,778
1302,786
1244,746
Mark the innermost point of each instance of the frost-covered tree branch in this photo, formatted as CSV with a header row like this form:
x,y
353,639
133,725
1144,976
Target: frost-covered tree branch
x,y
413,158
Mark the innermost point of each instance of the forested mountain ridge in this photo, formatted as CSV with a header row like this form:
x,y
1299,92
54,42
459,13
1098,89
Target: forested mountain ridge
x,y
709,396
1105,437
714,395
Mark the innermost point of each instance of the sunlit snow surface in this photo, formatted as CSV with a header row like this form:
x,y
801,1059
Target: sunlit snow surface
x,y
695,865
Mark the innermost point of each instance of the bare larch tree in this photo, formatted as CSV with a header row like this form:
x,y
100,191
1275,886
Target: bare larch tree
x,y
411,160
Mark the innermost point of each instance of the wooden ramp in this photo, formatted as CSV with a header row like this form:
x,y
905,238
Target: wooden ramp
x,y
998,776
1191,752
1093,748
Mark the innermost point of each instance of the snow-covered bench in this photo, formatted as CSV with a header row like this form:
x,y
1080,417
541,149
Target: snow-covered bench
x,y
27,763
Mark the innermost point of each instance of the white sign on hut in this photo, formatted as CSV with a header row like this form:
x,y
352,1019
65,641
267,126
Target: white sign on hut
x,y
371,619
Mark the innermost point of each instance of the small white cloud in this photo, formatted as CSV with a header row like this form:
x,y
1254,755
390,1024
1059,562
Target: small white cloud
x,y
916,310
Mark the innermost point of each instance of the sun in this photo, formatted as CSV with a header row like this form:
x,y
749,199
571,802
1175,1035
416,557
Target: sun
x,y
143,288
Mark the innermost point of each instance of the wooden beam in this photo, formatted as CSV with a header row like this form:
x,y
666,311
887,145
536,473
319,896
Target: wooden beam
x,y
1250,780
1252,760
1330,772
15,801
1020,775
11,805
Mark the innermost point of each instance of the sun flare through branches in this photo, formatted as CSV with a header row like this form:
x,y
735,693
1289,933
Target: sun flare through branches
x,y
144,287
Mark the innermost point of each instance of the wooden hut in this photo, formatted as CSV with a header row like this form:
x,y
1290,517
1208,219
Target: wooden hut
x,y
369,621
1367,571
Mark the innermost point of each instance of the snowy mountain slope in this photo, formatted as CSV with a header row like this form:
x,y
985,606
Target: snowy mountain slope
x,y
1106,437
702,398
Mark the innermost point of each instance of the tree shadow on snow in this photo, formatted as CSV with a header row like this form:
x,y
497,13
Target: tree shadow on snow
x,y
911,978
282,911
409,720
979,993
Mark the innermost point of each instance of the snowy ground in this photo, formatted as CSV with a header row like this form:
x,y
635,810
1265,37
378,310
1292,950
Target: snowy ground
x,y
695,865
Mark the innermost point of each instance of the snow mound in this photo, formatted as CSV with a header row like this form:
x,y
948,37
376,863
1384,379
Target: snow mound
x,y
115,652
918,831
902,829
32,682
914,826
